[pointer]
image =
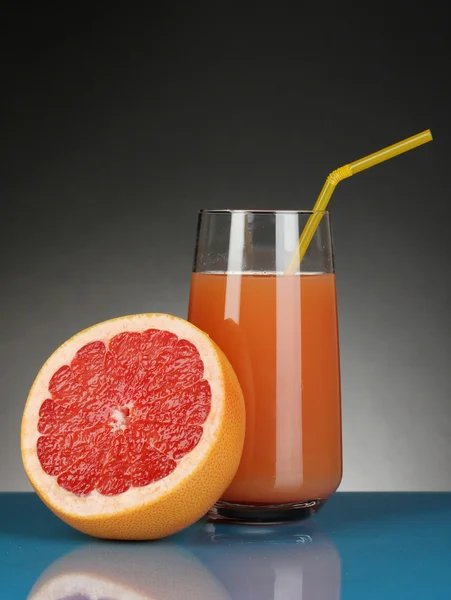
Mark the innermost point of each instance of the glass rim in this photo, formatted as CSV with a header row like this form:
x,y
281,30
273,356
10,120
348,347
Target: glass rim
x,y
257,211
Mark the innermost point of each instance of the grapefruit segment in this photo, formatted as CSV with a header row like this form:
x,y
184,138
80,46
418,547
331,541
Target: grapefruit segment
x,y
134,427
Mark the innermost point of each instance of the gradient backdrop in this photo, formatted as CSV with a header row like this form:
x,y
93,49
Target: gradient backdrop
x,y
118,127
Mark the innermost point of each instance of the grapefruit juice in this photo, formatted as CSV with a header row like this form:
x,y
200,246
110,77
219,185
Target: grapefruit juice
x,y
280,333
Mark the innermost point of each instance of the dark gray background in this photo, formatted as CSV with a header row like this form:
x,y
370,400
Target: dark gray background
x,y
118,127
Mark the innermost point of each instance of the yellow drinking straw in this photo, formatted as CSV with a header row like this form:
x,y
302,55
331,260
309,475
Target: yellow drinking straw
x,y
337,176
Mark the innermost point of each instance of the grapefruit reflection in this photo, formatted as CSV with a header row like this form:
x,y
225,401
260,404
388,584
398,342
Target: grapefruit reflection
x,y
108,571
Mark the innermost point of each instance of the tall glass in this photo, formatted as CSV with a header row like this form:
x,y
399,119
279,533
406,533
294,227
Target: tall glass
x,y
280,333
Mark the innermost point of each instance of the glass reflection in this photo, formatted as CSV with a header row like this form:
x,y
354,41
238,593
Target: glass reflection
x,y
270,562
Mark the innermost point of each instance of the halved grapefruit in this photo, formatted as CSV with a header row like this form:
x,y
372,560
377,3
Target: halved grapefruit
x,y
134,427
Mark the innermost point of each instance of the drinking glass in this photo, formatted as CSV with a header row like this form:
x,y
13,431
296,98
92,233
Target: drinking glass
x,y
280,333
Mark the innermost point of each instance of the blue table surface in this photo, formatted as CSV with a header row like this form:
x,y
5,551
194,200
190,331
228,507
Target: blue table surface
x,y
360,545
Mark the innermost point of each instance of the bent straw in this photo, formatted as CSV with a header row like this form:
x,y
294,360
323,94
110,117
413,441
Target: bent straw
x,y
342,173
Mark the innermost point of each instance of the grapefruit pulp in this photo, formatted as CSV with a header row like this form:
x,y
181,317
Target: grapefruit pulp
x,y
134,427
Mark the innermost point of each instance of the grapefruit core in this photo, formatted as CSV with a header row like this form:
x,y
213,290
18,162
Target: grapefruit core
x,y
134,427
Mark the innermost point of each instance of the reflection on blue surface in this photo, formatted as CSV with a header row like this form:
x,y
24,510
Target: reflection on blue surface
x,y
128,571
268,563
215,563
367,546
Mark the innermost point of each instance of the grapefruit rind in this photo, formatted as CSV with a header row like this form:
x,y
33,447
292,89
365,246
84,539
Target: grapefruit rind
x,y
180,498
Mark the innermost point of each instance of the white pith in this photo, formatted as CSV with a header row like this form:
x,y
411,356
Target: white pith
x,y
96,504
118,419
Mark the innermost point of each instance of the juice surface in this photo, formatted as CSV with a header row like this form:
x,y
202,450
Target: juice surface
x,y
280,334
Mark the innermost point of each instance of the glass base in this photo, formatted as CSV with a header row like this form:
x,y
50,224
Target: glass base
x,y
267,514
